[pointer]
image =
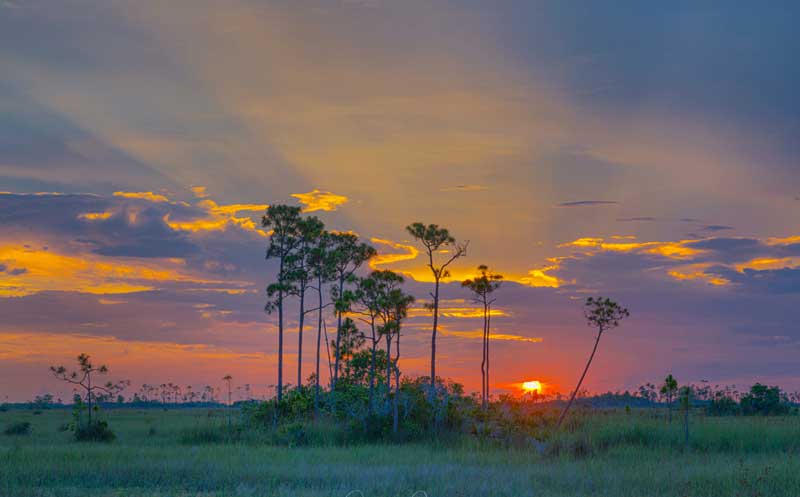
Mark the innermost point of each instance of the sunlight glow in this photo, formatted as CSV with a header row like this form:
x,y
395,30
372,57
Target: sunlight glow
x,y
532,386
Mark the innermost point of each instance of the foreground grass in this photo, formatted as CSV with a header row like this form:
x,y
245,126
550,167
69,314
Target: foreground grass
x,y
610,454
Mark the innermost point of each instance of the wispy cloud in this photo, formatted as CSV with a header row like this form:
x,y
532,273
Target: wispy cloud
x,y
465,188
587,203
636,219
716,227
150,196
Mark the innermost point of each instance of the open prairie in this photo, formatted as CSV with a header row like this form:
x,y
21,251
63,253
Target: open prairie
x,y
177,453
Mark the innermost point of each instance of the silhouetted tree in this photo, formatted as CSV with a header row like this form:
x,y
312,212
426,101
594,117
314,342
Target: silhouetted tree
x,y
372,292
301,274
764,400
227,379
347,255
321,263
668,390
393,309
283,221
436,239
603,314
686,404
482,287
350,340
82,378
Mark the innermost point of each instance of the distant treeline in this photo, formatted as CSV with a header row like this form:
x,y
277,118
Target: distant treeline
x,y
717,400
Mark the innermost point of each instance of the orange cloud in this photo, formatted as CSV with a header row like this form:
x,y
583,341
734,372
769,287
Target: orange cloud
x,y
409,252
711,279
199,191
219,217
672,250
317,200
89,273
540,278
769,263
56,348
93,216
494,336
150,196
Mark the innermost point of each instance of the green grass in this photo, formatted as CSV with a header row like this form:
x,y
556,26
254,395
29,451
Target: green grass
x,y
170,453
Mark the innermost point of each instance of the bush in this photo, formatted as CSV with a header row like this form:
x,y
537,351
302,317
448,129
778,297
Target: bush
x,y
722,405
764,400
94,432
21,428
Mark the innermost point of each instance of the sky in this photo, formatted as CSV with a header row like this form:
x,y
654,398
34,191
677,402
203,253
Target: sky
x,y
643,152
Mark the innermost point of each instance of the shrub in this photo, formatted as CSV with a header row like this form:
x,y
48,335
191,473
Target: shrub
x,y
722,405
21,428
94,432
764,400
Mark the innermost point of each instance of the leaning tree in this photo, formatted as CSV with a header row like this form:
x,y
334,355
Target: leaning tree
x,y
435,240
603,314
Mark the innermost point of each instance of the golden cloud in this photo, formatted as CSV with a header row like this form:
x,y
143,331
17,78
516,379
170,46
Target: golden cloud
x,y
36,347
672,250
763,263
409,252
89,273
711,279
317,200
493,336
94,216
457,312
218,218
149,196
199,191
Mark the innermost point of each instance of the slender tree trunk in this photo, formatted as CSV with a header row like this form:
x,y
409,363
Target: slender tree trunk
x,y
488,338
669,408
575,392
89,397
433,338
483,361
319,340
338,337
388,368
372,366
280,332
396,412
686,423
300,337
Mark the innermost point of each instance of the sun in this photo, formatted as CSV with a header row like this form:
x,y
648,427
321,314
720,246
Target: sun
x,y
532,386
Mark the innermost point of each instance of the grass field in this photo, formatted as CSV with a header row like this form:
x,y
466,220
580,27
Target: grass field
x,y
608,454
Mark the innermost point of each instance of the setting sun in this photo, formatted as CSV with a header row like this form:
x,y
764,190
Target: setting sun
x,y
532,386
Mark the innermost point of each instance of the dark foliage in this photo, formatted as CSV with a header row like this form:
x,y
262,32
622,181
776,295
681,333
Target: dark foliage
x,y
97,431
765,401
21,428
